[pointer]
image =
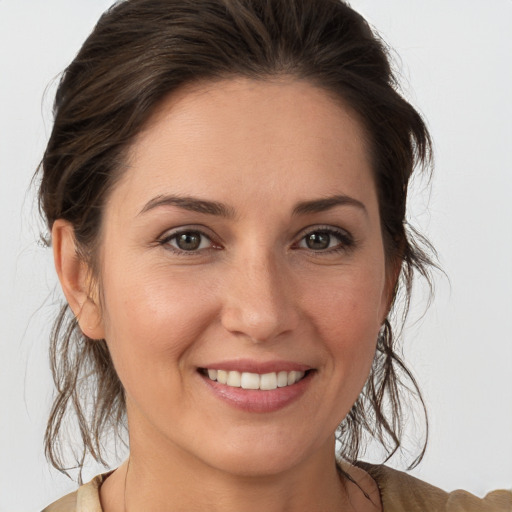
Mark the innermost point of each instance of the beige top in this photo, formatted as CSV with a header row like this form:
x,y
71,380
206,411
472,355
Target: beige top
x,y
399,492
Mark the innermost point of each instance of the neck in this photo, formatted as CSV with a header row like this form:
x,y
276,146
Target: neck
x,y
171,480
180,482
163,476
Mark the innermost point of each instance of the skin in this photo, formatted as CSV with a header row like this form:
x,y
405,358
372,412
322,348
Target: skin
x,y
254,290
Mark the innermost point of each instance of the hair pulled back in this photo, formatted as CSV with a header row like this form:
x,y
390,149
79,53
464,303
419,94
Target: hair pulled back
x,y
141,51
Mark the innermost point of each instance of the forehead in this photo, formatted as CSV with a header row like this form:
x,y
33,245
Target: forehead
x,y
231,136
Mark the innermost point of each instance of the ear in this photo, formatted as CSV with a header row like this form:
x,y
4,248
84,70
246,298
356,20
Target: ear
x,y
75,280
392,277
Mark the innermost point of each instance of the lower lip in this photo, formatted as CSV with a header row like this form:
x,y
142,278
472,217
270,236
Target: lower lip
x,y
255,400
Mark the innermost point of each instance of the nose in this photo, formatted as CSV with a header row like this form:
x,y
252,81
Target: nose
x,y
260,301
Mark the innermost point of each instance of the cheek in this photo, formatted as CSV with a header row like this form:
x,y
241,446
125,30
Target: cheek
x,y
347,320
152,321
353,304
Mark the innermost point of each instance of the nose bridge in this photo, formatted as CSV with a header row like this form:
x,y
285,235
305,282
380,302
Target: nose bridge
x,y
259,301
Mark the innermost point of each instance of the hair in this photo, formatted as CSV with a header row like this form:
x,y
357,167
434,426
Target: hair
x,y
140,52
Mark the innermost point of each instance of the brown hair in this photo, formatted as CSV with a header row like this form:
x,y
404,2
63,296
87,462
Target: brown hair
x,y
143,50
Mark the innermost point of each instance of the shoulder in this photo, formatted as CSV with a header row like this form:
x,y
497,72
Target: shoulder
x,y
85,499
401,492
65,504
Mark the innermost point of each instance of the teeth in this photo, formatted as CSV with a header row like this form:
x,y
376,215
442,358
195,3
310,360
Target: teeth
x,y
268,381
292,377
250,380
282,379
234,379
247,380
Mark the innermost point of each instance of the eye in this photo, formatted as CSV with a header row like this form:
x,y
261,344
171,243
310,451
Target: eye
x,y
326,240
187,241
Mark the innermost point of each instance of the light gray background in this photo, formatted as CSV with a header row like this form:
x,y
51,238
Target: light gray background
x,y
456,63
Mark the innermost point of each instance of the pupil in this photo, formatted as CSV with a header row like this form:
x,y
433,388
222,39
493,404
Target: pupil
x,y
189,241
318,241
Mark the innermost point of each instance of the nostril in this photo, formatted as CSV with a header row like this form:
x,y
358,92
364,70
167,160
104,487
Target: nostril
x,y
262,324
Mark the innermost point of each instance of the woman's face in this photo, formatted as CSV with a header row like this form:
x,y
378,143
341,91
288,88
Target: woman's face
x,y
243,242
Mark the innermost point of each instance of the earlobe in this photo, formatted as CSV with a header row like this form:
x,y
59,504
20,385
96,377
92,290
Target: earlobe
x,y
75,279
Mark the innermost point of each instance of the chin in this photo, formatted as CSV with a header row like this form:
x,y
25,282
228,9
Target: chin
x,y
263,457
252,465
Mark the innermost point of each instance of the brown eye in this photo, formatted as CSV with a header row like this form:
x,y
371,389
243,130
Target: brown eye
x,y
318,241
187,241
326,240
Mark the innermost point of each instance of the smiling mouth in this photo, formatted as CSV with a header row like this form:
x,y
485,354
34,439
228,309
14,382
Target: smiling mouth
x,y
248,380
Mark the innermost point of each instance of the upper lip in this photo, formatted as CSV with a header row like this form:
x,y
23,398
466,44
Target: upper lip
x,y
261,367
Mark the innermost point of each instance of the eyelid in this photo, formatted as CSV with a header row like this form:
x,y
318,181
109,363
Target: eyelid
x,y
347,240
171,234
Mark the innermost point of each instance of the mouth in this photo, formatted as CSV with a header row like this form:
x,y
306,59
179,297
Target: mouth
x,y
257,386
255,381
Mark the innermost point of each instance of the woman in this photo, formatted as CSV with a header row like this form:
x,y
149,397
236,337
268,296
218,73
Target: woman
x,y
226,186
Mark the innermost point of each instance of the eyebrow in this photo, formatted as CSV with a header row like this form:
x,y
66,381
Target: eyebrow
x,y
222,210
190,203
322,205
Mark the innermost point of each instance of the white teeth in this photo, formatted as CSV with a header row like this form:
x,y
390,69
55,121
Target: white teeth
x,y
247,380
292,377
250,380
233,379
268,381
282,379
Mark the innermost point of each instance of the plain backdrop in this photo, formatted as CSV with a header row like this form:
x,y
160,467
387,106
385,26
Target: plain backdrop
x,y
455,58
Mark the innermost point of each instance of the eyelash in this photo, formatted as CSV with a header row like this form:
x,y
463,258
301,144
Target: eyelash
x,y
166,239
345,239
